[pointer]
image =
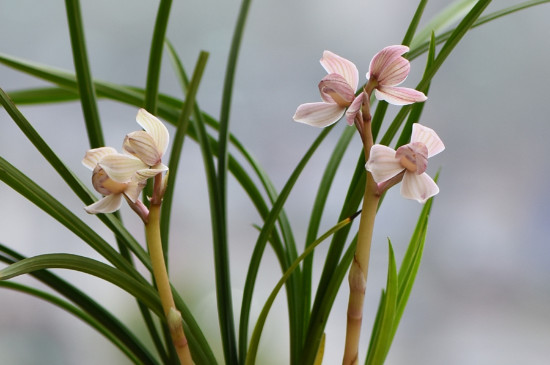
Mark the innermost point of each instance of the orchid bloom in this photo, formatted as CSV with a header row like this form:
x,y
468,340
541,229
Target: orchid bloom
x,y
387,70
385,163
148,145
114,176
337,91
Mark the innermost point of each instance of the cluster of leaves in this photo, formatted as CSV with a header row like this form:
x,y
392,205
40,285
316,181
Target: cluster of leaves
x,y
308,309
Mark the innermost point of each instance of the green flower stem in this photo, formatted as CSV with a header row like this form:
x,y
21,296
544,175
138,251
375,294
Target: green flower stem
x,y
173,317
358,271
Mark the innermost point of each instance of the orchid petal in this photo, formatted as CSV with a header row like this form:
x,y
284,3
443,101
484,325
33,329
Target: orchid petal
x,y
142,145
399,95
108,204
382,163
319,114
395,73
335,89
428,137
93,156
384,59
144,174
120,167
133,190
155,128
333,63
418,187
355,108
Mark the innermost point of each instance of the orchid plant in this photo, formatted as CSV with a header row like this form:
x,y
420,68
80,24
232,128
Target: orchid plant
x,y
144,175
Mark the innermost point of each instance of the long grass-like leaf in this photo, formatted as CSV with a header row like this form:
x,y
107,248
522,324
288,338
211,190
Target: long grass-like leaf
x,y
262,240
445,51
155,56
69,308
86,304
382,332
34,193
413,25
83,74
451,14
258,328
177,146
43,95
317,212
223,281
417,50
86,265
69,177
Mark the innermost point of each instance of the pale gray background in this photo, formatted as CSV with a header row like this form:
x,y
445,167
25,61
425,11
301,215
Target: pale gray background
x,y
483,291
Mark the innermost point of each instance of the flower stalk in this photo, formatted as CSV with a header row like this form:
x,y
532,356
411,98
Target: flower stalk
x,y
358,272
154,243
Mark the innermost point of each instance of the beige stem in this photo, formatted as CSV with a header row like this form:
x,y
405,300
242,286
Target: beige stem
x,y
173,317
358,272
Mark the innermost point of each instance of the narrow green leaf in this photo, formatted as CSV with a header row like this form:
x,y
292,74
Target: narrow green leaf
x,y
413,25
89,266
383,332
69,308
445,51
177,147
255,338
83,75
70,178
417,50
42,95
223,281
318,209
261,242
322,309
88,305
34,193
451,14
155,56
411,260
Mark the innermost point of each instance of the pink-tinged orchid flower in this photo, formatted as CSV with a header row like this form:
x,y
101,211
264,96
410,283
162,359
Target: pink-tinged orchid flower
x,y
387,70
148,145
115,176
337,91
384,163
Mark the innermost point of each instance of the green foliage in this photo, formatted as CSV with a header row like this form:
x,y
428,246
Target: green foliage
x,y
309,303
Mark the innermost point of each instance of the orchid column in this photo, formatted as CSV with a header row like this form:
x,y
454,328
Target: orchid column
x,y
118,176
387,70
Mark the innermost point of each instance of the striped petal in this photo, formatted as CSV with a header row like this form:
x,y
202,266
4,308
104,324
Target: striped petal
x,y
93,156
108,204
319,114
382,163
133,190
428,137
384,62
335,89
333,63
120,167
355,108
142,145
418,187
399,95
155,128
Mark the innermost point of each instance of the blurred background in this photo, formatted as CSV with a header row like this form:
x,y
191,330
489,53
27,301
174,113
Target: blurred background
x,y
483,291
